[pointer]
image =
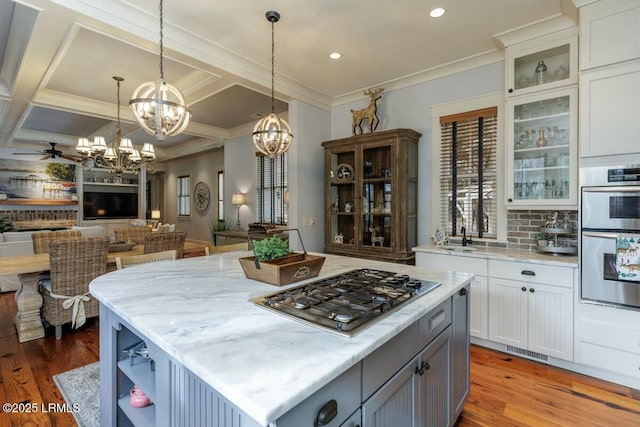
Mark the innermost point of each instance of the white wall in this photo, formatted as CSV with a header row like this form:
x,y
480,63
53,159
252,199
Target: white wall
x,y
200,167
410,108
240,176
310,126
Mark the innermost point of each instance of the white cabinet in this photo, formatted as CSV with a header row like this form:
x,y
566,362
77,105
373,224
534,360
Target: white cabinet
x,y
546,62
608,338
609,110
609,32
479,302
609,81
532,307
542,150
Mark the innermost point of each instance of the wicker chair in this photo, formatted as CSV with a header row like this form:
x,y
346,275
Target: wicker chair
x,y
73,263
158,242
41,241
131,234
133,260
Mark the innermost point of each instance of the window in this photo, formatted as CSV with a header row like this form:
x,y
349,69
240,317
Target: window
x,y
184,195
468,174
220,196
271,186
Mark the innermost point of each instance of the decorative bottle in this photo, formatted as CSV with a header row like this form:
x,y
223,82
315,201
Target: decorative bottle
x,y
542,140
541,73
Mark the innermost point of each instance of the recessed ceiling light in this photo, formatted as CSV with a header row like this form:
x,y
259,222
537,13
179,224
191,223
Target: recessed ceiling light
x,y
335,55
437,12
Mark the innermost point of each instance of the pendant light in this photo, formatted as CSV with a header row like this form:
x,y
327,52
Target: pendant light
x,y
272,135
158,106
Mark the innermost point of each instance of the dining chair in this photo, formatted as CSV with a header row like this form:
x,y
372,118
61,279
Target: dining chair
x,y
74,263
41,241
131,234
133,260
158,242
229,248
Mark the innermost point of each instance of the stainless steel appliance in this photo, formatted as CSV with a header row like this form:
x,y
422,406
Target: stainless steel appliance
x,y
610,205
347,302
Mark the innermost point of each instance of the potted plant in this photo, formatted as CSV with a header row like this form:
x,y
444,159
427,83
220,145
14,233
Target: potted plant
x,y
274,263
543,239
6,225
217,225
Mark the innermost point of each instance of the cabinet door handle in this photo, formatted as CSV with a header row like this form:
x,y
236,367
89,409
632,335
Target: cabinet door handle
x,y
532,290
327,413
523,289
425,366
510,90
509,200
528,273
463,292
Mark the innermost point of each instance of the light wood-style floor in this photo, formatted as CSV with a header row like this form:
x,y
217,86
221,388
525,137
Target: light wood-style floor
x,y
505,390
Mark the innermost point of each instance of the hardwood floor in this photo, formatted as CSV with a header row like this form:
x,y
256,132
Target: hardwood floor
x,y
505,390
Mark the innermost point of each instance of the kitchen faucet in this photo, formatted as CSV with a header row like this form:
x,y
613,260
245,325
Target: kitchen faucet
x,y
465,241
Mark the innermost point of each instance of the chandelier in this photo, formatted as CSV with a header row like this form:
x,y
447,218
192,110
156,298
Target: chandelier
x,y
272,135
120,156
158,106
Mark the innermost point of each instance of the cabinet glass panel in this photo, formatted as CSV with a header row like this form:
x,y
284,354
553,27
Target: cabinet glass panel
x,y
542,67
542,149
343,198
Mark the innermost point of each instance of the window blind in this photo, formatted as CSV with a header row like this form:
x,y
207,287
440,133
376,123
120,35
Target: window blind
x,y
468,179
271,186
184,195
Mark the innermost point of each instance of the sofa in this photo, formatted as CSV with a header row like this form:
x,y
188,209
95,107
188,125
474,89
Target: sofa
x,y
16,243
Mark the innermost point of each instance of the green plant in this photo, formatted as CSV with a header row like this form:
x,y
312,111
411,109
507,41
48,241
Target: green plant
x,y
274,247
217,225
65,173
541,236
6,225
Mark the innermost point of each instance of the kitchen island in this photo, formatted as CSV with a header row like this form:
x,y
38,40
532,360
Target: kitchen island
x,y
219,359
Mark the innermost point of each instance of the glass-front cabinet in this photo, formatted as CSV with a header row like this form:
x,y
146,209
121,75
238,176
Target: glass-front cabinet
x,y
542,149
371,195
546,62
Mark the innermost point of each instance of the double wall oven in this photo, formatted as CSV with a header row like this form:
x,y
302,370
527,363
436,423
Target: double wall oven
x,y
610,206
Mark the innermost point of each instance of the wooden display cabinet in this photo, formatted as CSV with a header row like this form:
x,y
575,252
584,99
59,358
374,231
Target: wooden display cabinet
x,y
371,192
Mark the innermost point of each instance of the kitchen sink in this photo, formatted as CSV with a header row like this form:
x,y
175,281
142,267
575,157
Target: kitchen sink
x,y
458,248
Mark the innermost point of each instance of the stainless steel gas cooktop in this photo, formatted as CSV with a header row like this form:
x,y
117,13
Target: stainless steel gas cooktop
x,y
348,302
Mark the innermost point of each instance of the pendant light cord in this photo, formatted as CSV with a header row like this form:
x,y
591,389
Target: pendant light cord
x,y
118,129
161,44
273,67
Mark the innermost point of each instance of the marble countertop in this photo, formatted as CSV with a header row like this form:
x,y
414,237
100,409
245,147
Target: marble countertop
x,y
198,311
505,254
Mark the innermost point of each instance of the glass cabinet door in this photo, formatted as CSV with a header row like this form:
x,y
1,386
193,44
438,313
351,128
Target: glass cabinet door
x,y
536,67
343,198
542,149
376,230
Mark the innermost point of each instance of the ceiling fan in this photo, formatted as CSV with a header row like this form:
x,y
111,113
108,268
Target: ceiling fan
x,y
51,153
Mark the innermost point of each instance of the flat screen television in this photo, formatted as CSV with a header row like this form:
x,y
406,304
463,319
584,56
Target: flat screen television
x,y
101,205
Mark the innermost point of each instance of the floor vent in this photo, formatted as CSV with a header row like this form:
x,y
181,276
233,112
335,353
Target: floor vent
x,y
528,353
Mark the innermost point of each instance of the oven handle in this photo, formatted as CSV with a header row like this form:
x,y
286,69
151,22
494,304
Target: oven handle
x,y
600,234
629,189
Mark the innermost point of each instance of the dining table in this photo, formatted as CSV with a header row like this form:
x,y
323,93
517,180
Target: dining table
x,y
28,299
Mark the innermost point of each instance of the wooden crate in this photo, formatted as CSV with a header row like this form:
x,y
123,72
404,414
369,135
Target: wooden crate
x,y
285,270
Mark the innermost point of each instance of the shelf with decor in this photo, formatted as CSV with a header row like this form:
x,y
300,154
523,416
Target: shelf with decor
x,y
542,149
371,195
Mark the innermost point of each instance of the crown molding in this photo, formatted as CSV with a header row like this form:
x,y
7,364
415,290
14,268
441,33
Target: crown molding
x,y
535,29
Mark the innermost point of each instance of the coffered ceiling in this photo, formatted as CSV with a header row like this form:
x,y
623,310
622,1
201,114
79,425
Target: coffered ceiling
x,y
58,58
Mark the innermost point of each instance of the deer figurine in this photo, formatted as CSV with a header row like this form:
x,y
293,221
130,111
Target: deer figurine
x,y
367,113
375,238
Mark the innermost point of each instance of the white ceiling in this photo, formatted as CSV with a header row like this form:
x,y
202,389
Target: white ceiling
x,y
59,57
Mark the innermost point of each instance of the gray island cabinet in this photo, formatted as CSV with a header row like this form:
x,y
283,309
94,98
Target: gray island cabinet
x,y
187,333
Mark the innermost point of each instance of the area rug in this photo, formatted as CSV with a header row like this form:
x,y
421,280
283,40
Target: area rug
x,y
81,387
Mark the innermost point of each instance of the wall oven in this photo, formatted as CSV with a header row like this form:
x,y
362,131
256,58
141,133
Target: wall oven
x,y
609,207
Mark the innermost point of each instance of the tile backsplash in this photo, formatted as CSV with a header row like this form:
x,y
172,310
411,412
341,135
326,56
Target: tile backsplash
x,y
522,226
